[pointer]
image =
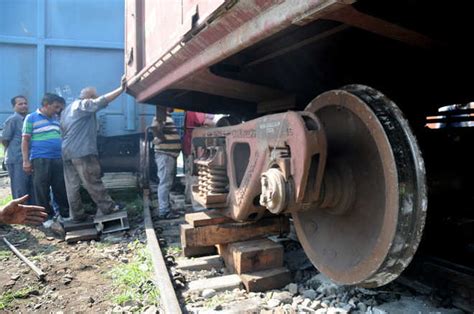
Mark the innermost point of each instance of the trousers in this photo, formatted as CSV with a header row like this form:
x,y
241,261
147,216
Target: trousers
x,y
20,182
86,171
166,165
49,173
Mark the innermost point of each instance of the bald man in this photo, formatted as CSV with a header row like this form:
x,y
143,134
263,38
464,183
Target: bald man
x,y
80,154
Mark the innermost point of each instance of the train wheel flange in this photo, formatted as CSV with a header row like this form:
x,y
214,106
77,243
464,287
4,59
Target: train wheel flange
x,y
374,234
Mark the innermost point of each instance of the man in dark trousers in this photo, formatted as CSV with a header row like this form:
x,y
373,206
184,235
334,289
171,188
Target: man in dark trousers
x,y
20,182
80,154
41,150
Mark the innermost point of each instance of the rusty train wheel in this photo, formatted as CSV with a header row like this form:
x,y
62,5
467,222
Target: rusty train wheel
x,y
368,228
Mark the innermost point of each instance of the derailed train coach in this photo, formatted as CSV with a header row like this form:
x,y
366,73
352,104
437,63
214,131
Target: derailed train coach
x,y
335,95
62,47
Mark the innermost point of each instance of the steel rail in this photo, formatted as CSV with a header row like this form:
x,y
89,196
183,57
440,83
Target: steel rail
x,y
168,298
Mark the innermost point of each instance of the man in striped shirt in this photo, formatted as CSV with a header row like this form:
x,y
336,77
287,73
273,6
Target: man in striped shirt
x,y
41,151
167,144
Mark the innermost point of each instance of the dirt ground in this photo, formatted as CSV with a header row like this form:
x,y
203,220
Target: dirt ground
x,y
78,275
4,187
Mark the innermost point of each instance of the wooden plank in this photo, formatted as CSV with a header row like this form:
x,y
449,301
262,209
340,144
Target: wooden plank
x,y
266,279
223,251
71,226
232,232
113,216
206,262
221,248
228,282
255,255
205,218
82,235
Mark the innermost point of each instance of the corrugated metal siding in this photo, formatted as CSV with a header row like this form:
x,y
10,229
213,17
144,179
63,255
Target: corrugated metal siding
x,y
62,46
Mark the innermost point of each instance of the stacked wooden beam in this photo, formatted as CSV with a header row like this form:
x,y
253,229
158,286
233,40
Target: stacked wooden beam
x,y
243,246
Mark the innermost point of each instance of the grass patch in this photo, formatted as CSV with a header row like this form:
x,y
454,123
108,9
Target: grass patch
x,y
4,255
135,208
5,200
173,250
8,297
217,300
132,280
102,245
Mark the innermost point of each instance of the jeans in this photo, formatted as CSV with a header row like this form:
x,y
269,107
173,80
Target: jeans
x,y
49,173
166,165
86,171
20,182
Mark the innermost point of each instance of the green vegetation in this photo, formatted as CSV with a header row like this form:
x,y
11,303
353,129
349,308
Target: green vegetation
x,y
173,250
218,299
9,296
4,255
5,200
134,208
132,280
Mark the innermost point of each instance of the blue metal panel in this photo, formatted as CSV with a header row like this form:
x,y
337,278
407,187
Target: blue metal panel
x,y
71,69
62,46
17,75
94,20
18,18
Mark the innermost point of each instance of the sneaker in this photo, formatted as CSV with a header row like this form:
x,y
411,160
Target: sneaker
x,y
168,215
58,229
47,224
118,207
114,209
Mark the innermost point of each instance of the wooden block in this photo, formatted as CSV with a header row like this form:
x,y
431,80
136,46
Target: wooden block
x,y
232,232
205,218
82,235
206,262
195,251
266,279
222,248
115,225
223,251
113,222
71,226
254,255
119,180
116,215
228,282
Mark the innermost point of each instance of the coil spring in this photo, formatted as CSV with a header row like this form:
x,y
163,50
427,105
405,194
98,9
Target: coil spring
x,y
212,180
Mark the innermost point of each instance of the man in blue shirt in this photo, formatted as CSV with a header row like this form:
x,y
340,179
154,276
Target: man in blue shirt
x,y
20,182
41,150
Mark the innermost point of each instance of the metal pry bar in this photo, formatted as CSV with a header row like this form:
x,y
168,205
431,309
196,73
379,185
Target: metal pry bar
x,y
38,271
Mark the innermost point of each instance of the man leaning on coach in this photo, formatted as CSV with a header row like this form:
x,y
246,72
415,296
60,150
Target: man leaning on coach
x,y
80,154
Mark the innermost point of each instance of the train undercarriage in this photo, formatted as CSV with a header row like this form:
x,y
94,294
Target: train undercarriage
x,y
325,140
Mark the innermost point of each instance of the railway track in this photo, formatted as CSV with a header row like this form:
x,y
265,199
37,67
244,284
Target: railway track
x,y
204,284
